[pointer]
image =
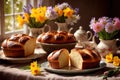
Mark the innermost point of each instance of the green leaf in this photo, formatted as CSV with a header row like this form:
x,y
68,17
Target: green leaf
x,y
25,67
107,36
110,73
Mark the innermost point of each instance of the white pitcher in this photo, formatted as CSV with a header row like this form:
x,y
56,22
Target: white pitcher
x,y
106,46
82,35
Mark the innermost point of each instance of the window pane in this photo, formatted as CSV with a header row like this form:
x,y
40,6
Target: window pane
x,y
12,9
7,6
16,24
8,23
18,6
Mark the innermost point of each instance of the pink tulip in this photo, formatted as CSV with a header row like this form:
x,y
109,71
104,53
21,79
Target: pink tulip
x,y
117,23
97,27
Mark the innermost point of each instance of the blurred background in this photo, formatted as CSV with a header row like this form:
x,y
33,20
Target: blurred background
x,y
9,9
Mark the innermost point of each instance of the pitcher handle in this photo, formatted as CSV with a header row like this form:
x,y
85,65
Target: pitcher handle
x,y
70,30
49,28
118,40
89,32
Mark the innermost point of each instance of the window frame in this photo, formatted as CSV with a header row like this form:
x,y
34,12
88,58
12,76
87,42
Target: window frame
x,y
1,19
4,34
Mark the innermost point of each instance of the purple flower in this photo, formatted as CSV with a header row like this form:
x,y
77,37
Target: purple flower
x,y
103,20
30,6
92,22
76,10
63,5
27,9
40,4
109,27
51,13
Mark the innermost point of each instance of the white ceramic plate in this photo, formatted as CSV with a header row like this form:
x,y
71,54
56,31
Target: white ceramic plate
x,y
72,70
21,60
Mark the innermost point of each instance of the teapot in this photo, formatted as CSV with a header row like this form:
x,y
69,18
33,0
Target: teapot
x,y
81,35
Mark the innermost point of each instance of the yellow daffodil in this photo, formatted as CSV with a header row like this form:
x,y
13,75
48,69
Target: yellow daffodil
x,y
33,64
59,11
34,12
68,12
43,9
116,61
109,57
26,19
40,18
35,69
20,20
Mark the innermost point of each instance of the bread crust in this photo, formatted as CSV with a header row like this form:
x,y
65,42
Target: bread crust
x,y
56,37
55,57
86,57
15,45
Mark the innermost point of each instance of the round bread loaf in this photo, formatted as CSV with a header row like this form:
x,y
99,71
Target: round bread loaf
x,y
79,58
84,58
59,58
19,45
56,37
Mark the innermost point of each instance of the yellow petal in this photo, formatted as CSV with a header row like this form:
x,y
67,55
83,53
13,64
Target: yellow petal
x,y
26,19
20,20
60,12
33,64
35,71
116,61
109,57
68,12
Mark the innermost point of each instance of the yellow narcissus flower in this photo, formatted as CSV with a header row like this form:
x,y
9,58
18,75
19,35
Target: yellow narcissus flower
x,y
116,61
40,18
68,12
33,65
35,69
43,9
34,12
26,19
39,14
59,11
109,57
20,20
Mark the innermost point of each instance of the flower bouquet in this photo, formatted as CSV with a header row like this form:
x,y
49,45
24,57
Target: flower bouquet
x,y
33,17
63,13
106,28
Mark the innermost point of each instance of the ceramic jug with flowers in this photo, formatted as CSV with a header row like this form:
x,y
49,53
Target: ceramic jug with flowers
x,y
107,30
34,18
63,15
